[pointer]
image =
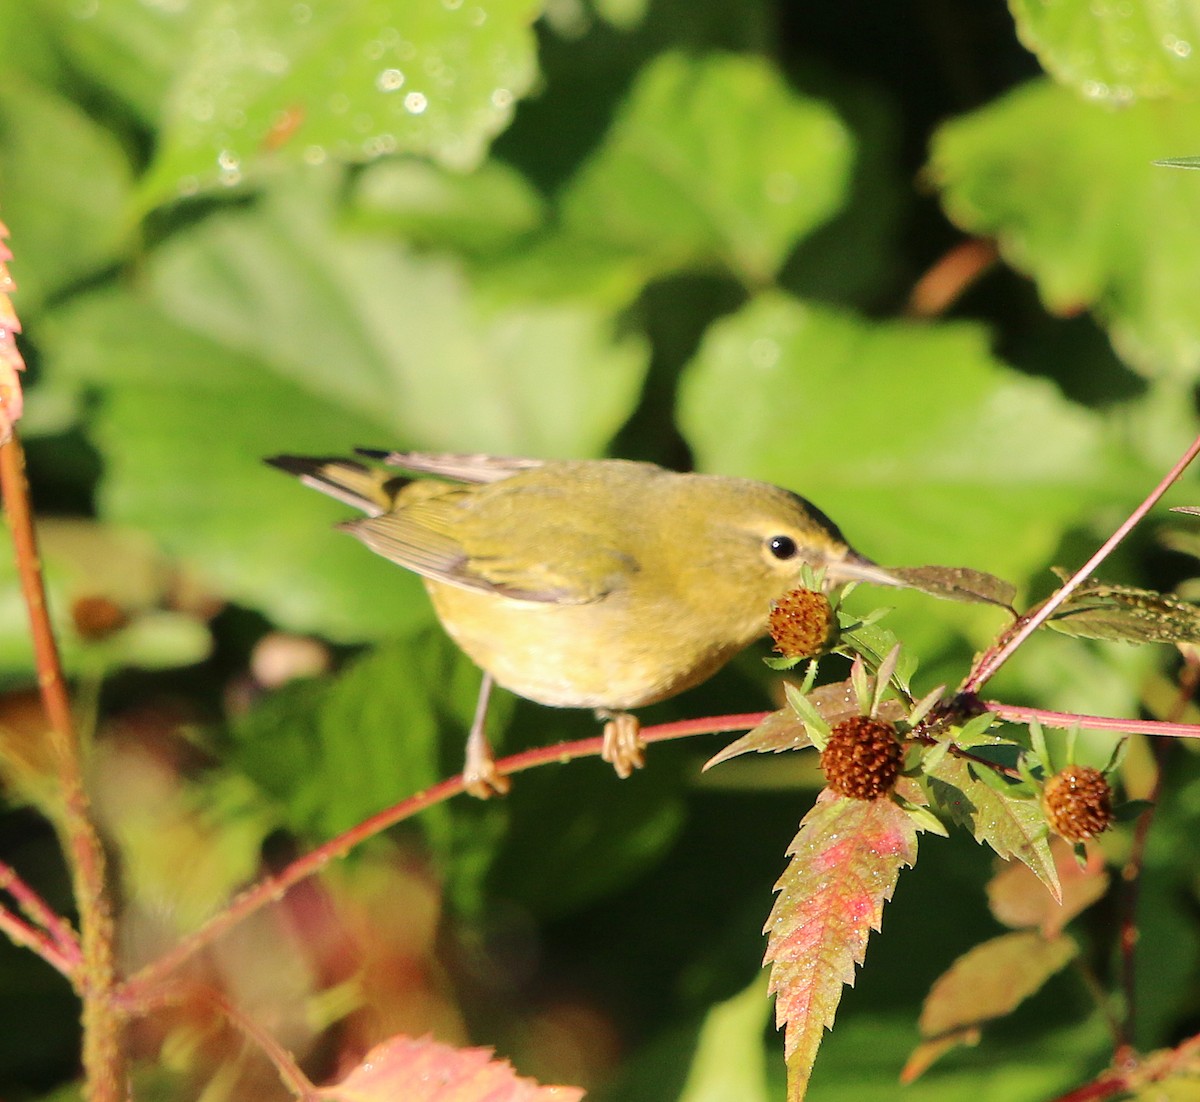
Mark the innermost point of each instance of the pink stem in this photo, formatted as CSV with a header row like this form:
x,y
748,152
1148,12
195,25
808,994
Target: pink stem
x,y
27,936
1020,714
1026,625
39,911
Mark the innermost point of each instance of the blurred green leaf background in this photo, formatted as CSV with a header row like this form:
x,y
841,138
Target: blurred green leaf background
x,y
688,233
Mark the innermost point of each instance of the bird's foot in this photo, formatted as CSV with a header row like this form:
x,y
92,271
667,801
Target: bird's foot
x,y
480,777
623,745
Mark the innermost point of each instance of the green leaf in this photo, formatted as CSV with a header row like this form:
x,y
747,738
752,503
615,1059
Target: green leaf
x,y
65,182
989,982
729,1062
478,213
1012,826
132,51
391,723
712,160
957,583
845,861
346,342
399,338
183,430
1114,52
766,395
271,79
1126,614
1072,196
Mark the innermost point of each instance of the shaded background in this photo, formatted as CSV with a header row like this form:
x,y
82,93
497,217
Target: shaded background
x,y
689,233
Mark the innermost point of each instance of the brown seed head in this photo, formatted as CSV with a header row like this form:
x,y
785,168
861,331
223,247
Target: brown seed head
x,y
801,623
1078,803
97,617
862,758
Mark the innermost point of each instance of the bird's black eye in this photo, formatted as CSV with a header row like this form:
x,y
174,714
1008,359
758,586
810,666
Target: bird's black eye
x,y
782,547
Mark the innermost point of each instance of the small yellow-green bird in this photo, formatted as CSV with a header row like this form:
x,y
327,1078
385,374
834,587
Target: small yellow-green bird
x,y
596,583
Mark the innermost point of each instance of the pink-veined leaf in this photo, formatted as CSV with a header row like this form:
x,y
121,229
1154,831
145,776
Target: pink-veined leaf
x,y
1012,826
985,983
845,861
423,1070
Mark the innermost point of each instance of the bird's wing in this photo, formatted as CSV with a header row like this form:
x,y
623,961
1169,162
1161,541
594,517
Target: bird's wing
x,y
355,484
461,467
554,564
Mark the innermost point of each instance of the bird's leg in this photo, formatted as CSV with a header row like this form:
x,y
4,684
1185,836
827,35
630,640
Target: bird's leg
x,y
623,746
479,770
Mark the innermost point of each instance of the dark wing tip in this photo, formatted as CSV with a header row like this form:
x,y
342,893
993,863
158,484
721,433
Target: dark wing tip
x,y
300,465
375,453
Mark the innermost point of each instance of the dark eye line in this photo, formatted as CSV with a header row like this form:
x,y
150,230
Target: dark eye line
x,y
782,547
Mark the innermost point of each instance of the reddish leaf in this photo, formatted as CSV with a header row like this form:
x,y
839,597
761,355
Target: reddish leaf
x,y
1017,898
1012,826
781,730
784,730
422,1070
845,861
985,983
927,1053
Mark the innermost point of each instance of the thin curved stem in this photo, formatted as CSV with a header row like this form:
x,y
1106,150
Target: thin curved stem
x,y
1018,632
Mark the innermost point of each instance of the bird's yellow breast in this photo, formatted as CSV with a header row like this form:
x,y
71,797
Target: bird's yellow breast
x,y
613,653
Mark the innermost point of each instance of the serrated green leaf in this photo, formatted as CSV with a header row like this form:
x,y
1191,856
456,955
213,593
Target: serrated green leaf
x,y
1012,826
345,342
131,50
1115,52
482,212
1072,195
925,819
399,338
271,79
48,147
977,731
933,755
808,713
1126,614
844,864
766,395
712,160
241,525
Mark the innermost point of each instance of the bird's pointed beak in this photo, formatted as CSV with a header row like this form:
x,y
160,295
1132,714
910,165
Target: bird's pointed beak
x,y
853,567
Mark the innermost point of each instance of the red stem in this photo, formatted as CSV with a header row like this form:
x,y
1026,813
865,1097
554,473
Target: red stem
x,y
1026,625
103,1061
289,1071
28,936
38,911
